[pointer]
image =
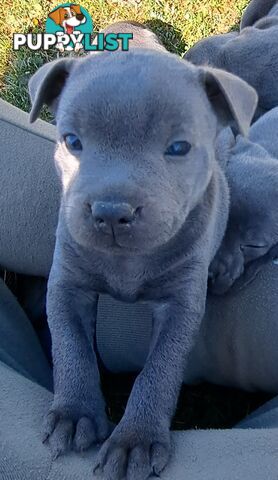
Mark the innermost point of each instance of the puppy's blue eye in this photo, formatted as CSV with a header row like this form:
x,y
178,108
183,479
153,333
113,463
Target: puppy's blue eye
x,y
178,149
73,143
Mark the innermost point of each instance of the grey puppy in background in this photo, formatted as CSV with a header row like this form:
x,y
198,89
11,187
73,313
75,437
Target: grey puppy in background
x,y
207,50
252,174
252,53
143,37
143,211
256,10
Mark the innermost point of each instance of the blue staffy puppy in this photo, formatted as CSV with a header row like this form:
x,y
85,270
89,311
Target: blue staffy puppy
x,y
252,174
143,211
251,54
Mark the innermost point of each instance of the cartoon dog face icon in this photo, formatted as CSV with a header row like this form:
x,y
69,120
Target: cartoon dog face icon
x,y
68,17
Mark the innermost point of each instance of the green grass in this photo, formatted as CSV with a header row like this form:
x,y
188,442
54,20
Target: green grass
x,y
179,23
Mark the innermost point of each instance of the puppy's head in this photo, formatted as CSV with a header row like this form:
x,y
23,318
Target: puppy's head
x,y
70,15
136,142
252,229
206,50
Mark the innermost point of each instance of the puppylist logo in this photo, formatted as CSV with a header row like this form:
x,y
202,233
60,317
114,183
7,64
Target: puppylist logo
x,y
69,27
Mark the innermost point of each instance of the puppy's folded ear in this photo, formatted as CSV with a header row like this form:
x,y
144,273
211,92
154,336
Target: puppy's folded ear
x,y
225,141
56,16
233,99
46,85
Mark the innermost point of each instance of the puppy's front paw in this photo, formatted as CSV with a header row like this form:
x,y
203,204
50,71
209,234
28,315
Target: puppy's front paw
x,y
134,452
224,271
60,47
64,429
78,47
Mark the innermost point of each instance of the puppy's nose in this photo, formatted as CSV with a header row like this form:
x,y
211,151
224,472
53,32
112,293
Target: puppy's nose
x,y
109,216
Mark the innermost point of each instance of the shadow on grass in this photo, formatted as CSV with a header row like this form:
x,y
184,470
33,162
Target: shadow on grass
x,y
170,36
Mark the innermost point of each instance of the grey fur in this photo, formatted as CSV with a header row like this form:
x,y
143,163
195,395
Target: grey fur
x,y
256,10
163,258
143,37
252,54
206,50
252,173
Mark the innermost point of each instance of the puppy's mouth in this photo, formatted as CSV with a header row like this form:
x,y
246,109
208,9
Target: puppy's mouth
x,y
115,244
69,29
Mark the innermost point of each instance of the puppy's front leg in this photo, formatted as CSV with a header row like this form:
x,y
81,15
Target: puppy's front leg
x,y
78,408
140,444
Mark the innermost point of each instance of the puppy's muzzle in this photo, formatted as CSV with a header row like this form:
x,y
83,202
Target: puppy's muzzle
x,y
114,218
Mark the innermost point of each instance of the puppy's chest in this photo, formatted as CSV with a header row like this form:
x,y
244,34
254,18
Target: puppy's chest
x,y
132,282
128,290
125,281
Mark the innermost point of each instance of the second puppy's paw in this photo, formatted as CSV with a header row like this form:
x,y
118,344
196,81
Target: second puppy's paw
x,y
133,452
64,430
224,271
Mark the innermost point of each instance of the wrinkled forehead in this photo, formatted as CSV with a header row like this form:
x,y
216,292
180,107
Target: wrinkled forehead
x,y
131,95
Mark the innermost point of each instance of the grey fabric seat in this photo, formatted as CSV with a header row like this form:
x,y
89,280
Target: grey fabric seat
x,y
242,453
